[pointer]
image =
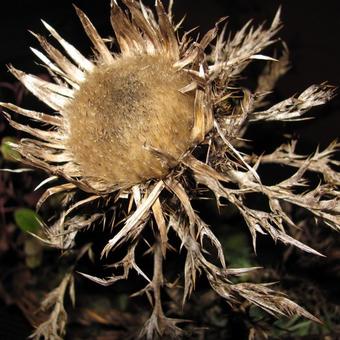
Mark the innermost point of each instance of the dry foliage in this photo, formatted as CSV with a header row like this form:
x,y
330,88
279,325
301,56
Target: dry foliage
x,y
220,119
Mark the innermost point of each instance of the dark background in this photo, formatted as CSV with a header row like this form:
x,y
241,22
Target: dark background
x,y
311,30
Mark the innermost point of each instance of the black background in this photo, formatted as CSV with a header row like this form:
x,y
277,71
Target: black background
x,y
311,30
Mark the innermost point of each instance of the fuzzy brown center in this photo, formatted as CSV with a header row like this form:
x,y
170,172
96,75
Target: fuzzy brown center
x,y
128,118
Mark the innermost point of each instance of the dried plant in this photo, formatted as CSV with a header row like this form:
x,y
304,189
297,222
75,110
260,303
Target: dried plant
x,y
55,327
128,128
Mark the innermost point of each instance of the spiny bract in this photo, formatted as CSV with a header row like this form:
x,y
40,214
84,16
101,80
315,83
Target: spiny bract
x,y
123,131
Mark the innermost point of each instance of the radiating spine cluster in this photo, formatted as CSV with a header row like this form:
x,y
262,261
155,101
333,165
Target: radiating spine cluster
x,y
221,111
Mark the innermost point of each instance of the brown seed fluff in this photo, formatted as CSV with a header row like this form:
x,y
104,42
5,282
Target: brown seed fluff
x,y
122,111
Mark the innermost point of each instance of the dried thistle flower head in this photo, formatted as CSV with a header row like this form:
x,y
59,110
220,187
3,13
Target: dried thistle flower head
x,y
123,113
124,127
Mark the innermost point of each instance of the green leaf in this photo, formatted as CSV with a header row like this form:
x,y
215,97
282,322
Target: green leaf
x,y
122,301
236,245
8,153
33,262
27,220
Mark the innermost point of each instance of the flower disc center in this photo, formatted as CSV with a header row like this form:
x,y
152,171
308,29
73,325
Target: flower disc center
x,y
123,112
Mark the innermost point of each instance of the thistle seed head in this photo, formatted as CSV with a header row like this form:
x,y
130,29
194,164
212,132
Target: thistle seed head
x,y
125,115
121,120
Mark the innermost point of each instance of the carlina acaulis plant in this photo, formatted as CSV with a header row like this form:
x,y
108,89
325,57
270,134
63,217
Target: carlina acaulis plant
x,y
142,129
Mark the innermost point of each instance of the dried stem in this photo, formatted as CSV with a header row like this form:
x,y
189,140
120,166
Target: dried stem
x,y
55,327
158,325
